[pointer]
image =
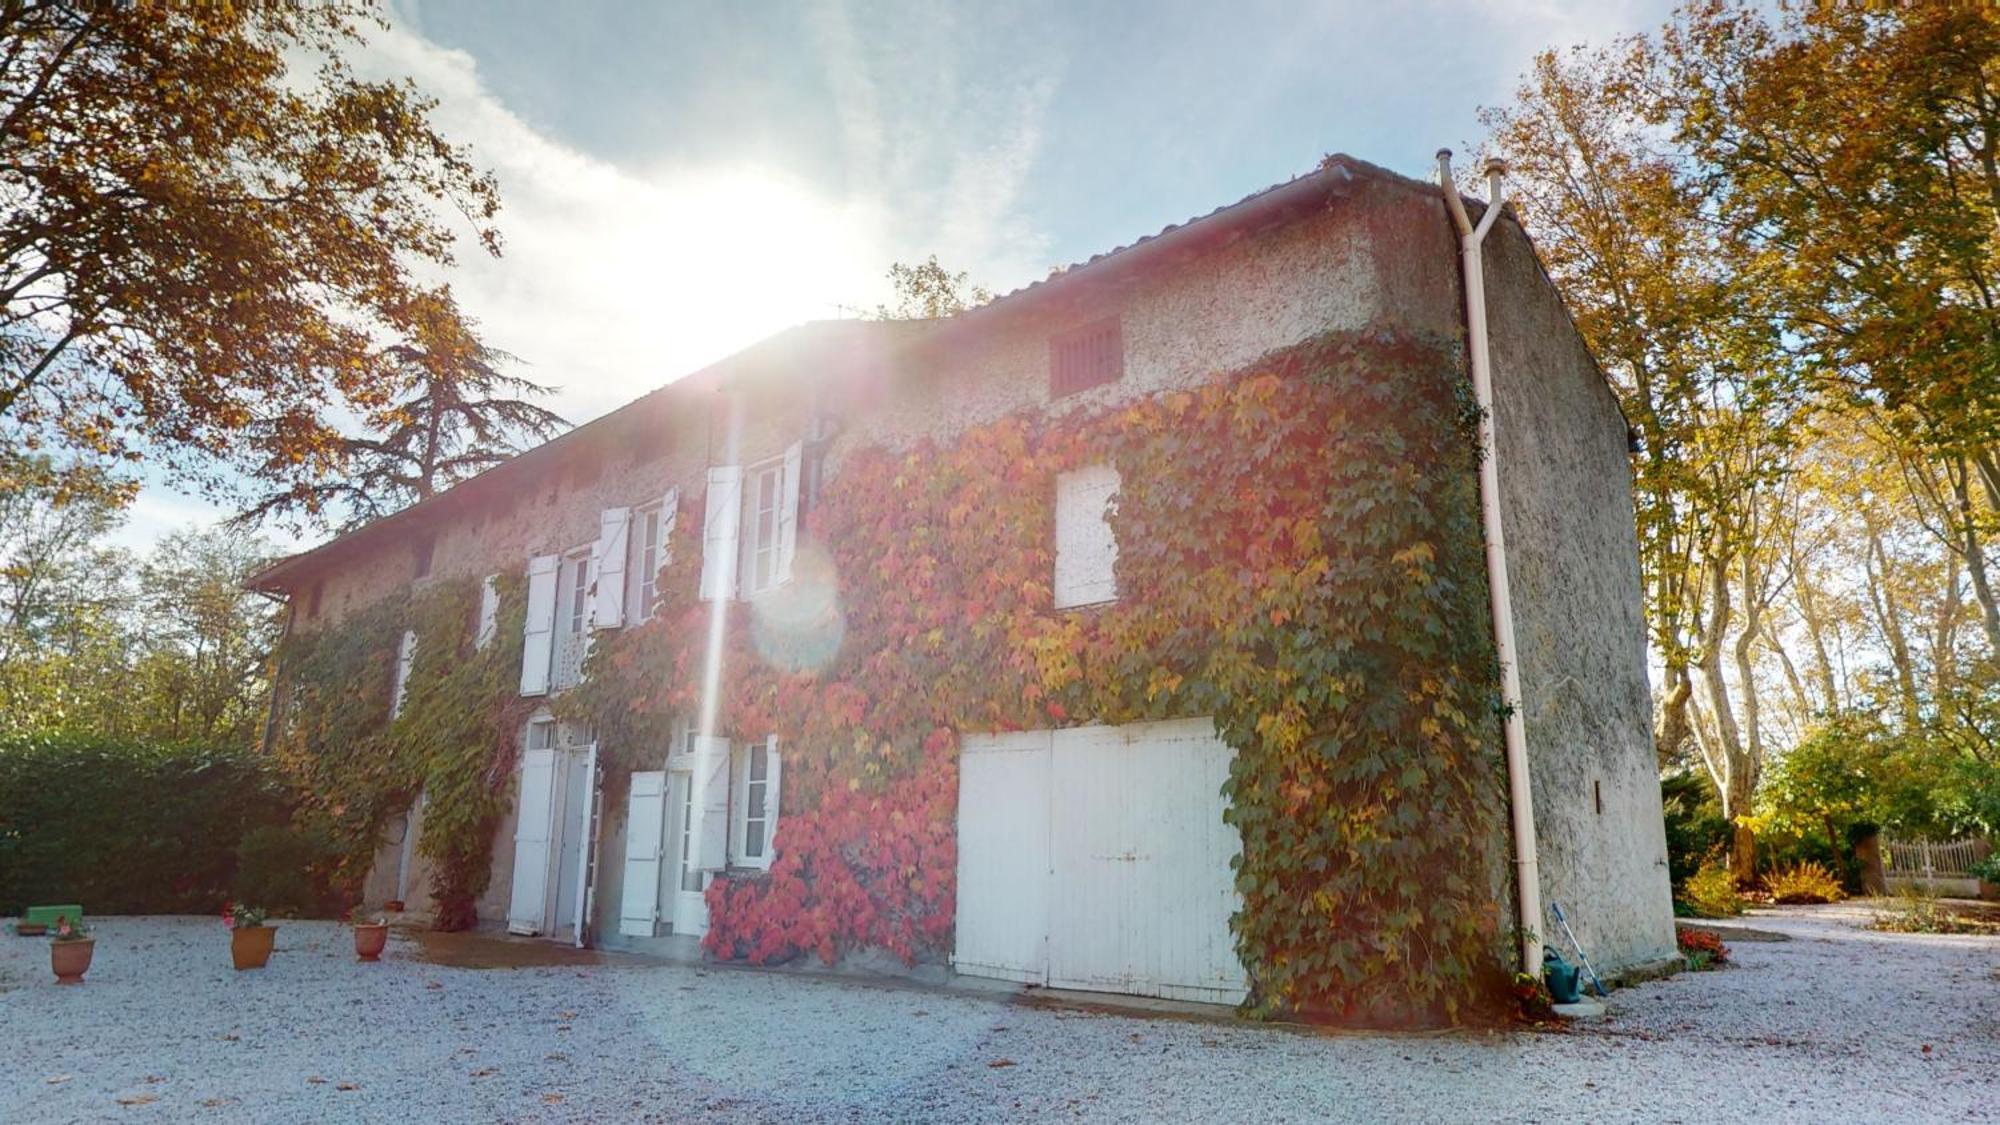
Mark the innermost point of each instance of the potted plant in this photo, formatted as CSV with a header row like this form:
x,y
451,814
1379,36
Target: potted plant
x,y
70,949
249,938
370,938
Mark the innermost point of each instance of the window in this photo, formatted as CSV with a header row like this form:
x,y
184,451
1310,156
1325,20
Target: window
x,y
312,600
647,549
764,486
1086,357
426,548
576,591
1086,549
753,812
541,734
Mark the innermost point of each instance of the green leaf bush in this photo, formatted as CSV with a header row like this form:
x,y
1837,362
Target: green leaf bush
x,y
126,827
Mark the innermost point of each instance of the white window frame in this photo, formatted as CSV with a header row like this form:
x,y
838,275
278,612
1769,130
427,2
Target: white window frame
x,y
648,550
744,755
573,586
761,541
544,724
406,656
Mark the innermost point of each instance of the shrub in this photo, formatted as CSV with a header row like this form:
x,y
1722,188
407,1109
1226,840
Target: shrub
x,y
1803,883
1711,892
1988,870
282,869
1918,913
1701,949
126,827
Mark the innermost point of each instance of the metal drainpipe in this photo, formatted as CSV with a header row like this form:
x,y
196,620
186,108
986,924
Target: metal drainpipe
x,y
1527,873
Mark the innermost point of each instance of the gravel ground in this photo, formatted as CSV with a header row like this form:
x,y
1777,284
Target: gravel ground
x,y
1838,1023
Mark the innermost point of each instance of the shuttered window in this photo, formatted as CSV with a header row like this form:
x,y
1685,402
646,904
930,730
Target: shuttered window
x,y
1086,357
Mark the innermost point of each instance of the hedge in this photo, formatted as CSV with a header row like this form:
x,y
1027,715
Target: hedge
x,y
126,827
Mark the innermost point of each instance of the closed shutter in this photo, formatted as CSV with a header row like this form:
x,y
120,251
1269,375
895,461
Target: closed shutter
x,y
614,531
788,512
645,827
719,532
1086,549
489,612
711,803
539,634
527,909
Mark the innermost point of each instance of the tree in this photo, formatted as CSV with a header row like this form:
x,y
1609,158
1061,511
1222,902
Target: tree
x,y
203,643
927,291
458,413
208,225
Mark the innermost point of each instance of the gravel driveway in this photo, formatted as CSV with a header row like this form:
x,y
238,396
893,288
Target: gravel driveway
x,y
1838,1023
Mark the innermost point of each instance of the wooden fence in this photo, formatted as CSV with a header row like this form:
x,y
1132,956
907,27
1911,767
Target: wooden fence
x,y
1935,862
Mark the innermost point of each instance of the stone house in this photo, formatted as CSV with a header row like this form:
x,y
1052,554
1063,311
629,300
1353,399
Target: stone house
x,y
1089,851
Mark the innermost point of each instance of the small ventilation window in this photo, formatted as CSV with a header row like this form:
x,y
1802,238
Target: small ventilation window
x,y
1086,357
312,600
426,548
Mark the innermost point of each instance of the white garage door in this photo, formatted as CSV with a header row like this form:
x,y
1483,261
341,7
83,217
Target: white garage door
x,y
1096,858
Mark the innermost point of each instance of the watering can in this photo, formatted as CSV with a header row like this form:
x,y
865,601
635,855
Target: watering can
x,y
1561,977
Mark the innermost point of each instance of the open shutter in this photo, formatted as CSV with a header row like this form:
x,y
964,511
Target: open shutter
x,y
489,612
406,655
711,802
539,634
645,828
773,794
614,533
670,510
718,534
788,511
586,856
527,909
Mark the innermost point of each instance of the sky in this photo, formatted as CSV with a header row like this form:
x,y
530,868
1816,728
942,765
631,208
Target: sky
x,y
682,179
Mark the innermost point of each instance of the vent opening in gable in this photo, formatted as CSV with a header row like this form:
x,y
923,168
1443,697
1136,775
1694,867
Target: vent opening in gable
x,y
1086,357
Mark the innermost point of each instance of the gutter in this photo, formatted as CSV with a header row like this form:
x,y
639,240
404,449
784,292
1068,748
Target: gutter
x,y
1527,872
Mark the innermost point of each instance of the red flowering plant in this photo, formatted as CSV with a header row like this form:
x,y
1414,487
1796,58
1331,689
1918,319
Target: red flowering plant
x,y
68,929
1701,949
236,916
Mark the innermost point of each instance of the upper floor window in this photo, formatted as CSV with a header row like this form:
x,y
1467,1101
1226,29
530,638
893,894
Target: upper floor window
x,y
426,549
312,600
575,586
764,486
399,688
1086,357
647,546
1086,549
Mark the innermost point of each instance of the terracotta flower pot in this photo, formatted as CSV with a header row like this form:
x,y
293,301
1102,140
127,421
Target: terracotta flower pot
x,y
370,940
250,946
71,959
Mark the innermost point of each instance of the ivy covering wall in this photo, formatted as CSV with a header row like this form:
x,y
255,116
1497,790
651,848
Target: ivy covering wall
x,y
1299,556
454,739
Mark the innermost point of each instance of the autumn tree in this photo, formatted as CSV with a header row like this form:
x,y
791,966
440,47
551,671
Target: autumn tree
x,y
928,290
208,225
457,412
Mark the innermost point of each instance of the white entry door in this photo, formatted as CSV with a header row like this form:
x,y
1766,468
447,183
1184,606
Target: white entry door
x,y
1096,858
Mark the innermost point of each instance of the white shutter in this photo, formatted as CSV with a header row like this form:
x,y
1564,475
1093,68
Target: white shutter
x,y
670,510
711,803
1086,549
772,793
788,511
489,612
645,828
719,532
527,910
586,855
614,534
406,654
539,634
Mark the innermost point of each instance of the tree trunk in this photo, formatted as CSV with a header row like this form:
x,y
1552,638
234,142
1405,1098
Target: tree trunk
x,y
1735,771
1882,596
1975,554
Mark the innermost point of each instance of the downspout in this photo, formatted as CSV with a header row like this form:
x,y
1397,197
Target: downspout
x,y
1527,873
